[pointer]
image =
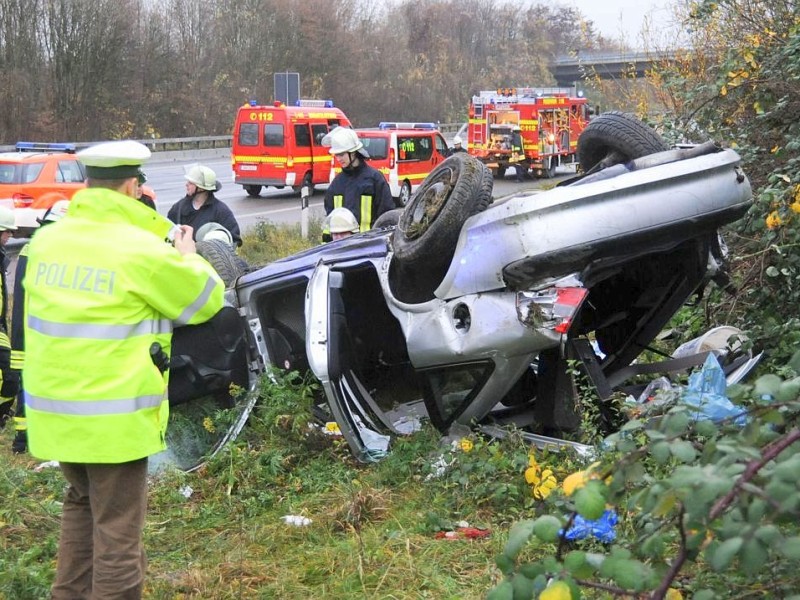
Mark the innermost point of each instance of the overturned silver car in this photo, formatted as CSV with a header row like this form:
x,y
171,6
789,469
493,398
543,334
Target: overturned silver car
x,y
468,310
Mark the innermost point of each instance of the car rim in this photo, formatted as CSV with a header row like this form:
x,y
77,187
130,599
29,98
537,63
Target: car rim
x,y
429,202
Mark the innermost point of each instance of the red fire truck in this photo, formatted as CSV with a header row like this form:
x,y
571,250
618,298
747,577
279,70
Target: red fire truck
x,y
536,129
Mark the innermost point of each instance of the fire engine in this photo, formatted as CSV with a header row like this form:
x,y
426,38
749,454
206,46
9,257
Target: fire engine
x,y
536,129
281,145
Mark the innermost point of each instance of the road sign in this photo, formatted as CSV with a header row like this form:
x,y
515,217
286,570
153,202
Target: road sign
x,y
287,88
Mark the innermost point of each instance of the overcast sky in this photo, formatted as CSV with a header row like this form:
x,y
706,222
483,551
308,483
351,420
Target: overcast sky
x,y
622,18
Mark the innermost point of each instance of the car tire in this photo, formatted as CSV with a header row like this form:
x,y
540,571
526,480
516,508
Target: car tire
x,y
307,181
425,238
252,190
388,219
405,195
616,137
224,260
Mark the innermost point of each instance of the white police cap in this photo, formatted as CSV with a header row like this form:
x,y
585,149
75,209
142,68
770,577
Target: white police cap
x,y
114,160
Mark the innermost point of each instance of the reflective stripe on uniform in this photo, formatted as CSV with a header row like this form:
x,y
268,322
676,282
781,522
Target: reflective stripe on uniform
x,y
99,332
198,304
20,424
17,359
88,408
366,213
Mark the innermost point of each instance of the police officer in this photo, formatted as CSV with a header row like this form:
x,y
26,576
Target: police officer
x,y
200,206
103,290
51,215
9,379
360,188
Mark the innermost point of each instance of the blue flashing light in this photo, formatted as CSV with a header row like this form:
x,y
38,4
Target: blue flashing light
x,y
44,147
328,103
253,103
409,125
580,93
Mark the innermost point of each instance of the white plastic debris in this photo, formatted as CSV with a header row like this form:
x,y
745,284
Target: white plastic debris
x,y
296,520
50,464
186,491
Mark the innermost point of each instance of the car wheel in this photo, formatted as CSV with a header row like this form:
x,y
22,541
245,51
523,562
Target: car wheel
x,y
388,219
252,190
427,232
405,195
307,182
616,137
224,260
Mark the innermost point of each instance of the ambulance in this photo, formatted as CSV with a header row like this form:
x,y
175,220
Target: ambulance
x,y
280,145
405,152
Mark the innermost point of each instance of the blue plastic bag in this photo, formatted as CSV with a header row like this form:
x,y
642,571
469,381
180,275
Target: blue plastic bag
x,y
706,393
602,528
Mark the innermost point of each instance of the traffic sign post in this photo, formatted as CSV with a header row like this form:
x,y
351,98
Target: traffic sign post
x,y
287,88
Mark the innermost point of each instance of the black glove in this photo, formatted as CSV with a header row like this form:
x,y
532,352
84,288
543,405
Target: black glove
x,y
10,387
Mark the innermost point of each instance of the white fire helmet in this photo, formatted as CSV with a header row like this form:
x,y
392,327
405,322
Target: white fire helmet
x,y
7,222
341,220
344,139
55,212
214,231
204,178
457,140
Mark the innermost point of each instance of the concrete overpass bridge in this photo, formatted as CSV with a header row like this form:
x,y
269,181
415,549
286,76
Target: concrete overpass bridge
x,y
571,69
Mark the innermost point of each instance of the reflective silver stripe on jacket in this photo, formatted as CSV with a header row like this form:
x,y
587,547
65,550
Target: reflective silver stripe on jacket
x,y
99,332
89,408
195,306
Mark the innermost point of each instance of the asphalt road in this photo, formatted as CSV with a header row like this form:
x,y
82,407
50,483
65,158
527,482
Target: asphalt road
x,y
275,204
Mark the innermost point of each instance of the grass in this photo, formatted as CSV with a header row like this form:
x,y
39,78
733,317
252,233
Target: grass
x,y
372,533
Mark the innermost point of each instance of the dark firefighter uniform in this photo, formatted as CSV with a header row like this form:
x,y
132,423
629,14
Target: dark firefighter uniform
x,y
363,191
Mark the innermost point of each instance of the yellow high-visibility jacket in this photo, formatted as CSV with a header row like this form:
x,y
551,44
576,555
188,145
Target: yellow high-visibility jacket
x,y
101,286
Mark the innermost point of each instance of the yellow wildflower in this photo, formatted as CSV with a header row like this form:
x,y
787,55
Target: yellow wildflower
x,y
466,445
558,590
545,486
673,594
208,425
773,220
574,482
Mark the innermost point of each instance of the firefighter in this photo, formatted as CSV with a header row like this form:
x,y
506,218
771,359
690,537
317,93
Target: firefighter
x,y
359,188
200,206
9,379
103,292
145,193
457,147
51,215
518,153
341,223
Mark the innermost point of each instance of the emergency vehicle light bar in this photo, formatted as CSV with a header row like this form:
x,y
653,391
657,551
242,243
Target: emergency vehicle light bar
x,y
44,147
314,103
401,125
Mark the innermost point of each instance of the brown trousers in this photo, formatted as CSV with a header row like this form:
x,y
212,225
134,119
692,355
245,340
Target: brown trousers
x,y
100,552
